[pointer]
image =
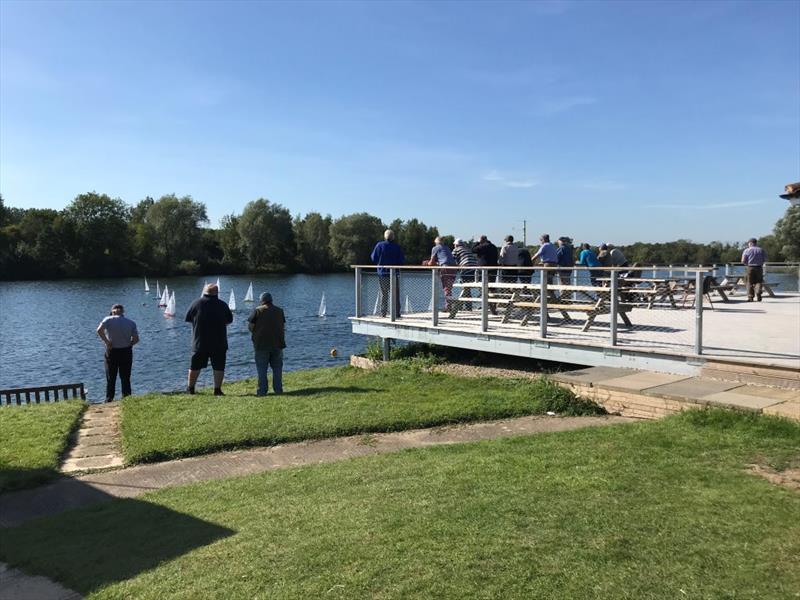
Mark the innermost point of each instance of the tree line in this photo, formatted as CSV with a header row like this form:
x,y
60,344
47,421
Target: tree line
x,y
100,236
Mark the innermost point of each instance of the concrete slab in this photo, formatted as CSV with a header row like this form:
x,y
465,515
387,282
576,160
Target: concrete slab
x,y
642,380
694,388
85,451
781,394
738,400
91,462
16,585
790,410
592,375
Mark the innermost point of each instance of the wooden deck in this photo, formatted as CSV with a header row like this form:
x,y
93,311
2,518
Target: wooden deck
x,y
761,334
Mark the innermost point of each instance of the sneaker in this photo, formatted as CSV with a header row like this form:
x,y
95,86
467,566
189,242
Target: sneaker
x,y
189,389
218,392
759,298
109,400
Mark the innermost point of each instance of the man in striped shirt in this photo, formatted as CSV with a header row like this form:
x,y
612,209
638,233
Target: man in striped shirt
x,y
467,261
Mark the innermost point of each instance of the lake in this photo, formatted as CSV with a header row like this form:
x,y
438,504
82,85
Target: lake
x,y
47,329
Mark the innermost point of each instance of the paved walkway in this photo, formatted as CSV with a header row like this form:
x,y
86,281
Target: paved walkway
x,y
97,442
19,507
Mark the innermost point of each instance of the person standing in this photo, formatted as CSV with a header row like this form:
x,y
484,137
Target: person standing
x,y
210,318
509,256
441,256
267,324
119,334
467,261
388,252
588,258
565,258
547,255
753,258
486,254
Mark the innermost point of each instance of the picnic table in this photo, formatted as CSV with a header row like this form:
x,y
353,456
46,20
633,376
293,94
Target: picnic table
x,y
649,289
736,281
515,296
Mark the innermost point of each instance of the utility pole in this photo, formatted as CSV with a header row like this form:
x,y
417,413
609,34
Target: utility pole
x,y
524,233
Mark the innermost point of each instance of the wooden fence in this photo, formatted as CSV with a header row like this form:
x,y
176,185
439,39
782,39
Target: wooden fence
x,y
48,393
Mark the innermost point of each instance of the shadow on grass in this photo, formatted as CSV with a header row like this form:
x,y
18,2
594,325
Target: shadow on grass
x,y
350,389
12,479
114,541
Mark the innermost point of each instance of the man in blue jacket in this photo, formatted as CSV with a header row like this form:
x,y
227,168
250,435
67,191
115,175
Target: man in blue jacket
x,y
386,253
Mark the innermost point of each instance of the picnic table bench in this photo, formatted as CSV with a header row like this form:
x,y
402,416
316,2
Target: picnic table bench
x,y
528,296
736,281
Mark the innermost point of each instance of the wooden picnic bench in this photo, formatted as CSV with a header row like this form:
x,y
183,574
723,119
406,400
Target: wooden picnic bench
x,y
527,296
35,395
734,283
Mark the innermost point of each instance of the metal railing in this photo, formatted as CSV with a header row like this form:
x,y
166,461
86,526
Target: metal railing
x,y
657,306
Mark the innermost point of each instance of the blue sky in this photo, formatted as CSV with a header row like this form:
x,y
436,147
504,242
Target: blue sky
x,y
603,121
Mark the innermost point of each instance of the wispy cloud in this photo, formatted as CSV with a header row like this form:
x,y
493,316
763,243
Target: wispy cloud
x,y
707,206
554,106
509,182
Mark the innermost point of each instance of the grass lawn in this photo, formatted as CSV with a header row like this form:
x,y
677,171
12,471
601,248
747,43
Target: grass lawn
x,y
32,438
324,403
661,509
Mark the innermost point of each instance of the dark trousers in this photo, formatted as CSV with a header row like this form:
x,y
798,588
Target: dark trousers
x,y
386,284
118,360
755,277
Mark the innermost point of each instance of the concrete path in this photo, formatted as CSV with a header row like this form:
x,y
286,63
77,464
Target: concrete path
x,y
96,445
16,585
19,507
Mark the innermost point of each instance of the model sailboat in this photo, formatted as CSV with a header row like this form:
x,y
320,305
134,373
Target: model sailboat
x,y
146,286
158,291
248,297
323,307
170,310
218,286
232,301
164,297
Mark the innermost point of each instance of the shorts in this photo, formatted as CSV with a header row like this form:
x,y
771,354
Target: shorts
x,y
200,360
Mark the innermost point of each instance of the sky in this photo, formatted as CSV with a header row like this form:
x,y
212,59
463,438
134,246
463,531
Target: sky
x,y
604,121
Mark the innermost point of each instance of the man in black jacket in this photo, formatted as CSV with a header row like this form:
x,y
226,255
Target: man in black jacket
x,y
486,253
210,318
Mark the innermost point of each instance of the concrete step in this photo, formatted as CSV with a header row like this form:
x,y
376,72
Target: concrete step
x,y
774,376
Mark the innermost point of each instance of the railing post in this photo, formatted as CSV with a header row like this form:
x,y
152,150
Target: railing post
x,y
614,307
698,312
670,270
655,273
714,270
484,300
358,292
393,292
727,270
435,296
387,348
542,304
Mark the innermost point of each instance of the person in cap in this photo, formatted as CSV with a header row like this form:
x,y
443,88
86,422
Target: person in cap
x,y
119,334
210,318
566,258
442,256
753,258
267,324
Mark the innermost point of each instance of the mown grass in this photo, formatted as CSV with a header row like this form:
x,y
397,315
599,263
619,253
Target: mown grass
x,y
323,403
32,439
649,510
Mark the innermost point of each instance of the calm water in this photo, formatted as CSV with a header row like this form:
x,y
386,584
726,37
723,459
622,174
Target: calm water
x,y
47,329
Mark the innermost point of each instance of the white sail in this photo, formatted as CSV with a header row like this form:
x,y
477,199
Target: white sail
x,y
170,310
407,308
248,297
377,304
164,297
158,290
323,307
232,301
146,286
218,286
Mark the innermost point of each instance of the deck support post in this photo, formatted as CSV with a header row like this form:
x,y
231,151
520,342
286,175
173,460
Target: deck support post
x,y
542,304
393,295
484,300
435,297
612,326
358,292
698,312
387,348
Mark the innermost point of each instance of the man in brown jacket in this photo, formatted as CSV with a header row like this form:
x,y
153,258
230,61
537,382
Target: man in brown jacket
x,y
267,324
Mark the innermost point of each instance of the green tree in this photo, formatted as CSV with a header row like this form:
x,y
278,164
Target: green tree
x,y
231,243
416,239
312,235
353,237
787,234
267,238
174,224
96,228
